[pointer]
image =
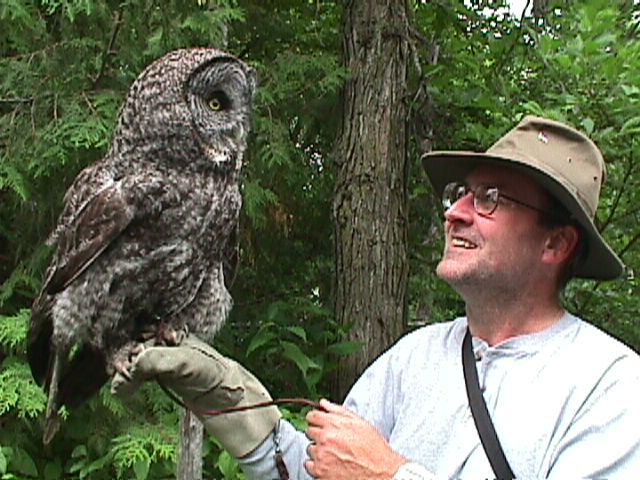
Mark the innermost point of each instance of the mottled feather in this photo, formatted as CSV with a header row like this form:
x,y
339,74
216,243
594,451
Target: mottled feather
x,y
146,244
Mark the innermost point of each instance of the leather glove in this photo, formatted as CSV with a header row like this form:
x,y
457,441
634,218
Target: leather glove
x,y
206,380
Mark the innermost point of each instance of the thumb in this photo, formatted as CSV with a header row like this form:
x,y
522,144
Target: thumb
x,y
331,407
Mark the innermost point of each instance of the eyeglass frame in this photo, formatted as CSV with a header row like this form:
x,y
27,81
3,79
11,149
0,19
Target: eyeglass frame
x,y
488,188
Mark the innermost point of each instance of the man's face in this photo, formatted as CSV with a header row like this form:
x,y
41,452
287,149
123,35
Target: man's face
x,y
497,253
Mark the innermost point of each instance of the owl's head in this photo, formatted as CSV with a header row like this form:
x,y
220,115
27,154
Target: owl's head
x,y
190,108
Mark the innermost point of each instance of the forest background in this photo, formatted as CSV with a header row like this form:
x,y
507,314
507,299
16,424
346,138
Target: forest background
x,y
472,71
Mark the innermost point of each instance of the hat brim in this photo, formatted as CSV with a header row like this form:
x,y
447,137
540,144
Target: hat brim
x,y
600,261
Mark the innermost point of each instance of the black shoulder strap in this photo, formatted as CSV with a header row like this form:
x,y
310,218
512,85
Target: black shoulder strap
x,y
481,417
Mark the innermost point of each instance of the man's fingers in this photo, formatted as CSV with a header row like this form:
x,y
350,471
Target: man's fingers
x,y
328,406
335,408
313,433
309,466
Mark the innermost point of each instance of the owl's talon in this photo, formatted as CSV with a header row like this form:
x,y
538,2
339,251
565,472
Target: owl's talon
x,y
123,370
172,337
136,350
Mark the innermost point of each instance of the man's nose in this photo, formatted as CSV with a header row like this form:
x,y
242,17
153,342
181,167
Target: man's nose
x,y
461,210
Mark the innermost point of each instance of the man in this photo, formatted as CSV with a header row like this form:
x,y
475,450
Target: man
x,y
562,395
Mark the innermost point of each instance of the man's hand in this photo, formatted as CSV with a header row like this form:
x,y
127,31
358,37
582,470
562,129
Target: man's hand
x,y
206,380
346,447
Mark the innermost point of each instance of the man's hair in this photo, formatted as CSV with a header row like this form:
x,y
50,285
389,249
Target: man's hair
x,y
561,218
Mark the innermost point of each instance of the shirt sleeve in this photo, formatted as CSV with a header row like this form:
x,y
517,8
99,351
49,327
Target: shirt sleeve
x,y
378,409
291,443
260,464
413,471
603,440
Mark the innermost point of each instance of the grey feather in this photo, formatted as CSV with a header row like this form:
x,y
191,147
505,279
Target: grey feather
x,y
147,239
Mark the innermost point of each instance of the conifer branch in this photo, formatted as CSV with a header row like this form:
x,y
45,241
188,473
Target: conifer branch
x,y
108,51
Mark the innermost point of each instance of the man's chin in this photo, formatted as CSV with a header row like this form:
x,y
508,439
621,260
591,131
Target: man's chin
x,y
449,271
454,274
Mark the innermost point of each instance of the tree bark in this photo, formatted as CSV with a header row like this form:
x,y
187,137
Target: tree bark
x,y
190,448
370,204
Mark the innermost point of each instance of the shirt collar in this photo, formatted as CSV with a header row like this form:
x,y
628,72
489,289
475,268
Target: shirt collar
x,y
530,343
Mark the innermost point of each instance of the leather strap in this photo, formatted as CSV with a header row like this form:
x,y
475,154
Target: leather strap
x,y
486,430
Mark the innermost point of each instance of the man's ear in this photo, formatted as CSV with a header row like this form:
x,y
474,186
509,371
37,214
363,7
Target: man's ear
x,y
561,245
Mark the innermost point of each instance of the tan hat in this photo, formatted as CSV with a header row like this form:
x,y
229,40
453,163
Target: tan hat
x,y
562,160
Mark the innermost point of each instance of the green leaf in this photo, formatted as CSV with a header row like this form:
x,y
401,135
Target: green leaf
x,y
264,336
11,177
632,125
297,356
256,199
53,471
3,462
96,465
630,90
18,391
13,330
21,462
141,469
587,125
298,331
228,465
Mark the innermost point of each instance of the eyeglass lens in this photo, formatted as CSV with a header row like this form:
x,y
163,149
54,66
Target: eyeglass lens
x,y
485,198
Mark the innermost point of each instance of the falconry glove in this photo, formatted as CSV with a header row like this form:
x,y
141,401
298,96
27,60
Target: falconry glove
x,y
205,380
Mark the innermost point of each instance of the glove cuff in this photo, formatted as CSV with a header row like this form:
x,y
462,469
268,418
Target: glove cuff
x,y
241,432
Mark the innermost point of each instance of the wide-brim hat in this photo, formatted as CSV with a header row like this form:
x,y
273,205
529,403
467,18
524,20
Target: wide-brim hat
x,y
559,158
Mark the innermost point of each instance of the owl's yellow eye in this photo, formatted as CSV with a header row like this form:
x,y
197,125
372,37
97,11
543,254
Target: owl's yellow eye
x,y
215,104
218,101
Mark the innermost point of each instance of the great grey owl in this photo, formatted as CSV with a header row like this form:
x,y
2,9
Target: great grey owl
x,y
147,240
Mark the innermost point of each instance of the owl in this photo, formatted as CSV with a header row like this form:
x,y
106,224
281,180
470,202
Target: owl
x,y
146,244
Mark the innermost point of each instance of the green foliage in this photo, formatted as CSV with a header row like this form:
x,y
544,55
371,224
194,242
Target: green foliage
x,y
65,67
13,331
19,394
579,64
295,340
587,66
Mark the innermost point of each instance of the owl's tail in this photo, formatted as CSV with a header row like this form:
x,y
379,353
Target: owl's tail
x,y
52,418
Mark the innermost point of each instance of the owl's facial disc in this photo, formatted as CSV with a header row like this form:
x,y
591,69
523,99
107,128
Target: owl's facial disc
x,y
219,97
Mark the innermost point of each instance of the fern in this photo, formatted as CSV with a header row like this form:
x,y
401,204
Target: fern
x,y
18,392
256,198
13,331
142,445
12,179
18,279
112,403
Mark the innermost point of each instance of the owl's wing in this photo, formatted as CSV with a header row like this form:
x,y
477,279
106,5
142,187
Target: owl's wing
x,y
92,228
231,258
89,223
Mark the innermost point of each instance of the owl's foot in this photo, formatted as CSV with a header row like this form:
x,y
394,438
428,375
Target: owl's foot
x,y
123,360
123,369
167,335
163,334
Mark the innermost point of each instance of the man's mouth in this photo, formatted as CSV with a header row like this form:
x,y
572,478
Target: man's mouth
x,y
462,243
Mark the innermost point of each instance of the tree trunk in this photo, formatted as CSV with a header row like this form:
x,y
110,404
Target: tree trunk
x,y
370,203
190,449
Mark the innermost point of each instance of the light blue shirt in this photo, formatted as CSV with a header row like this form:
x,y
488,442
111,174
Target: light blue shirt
x,y
565,403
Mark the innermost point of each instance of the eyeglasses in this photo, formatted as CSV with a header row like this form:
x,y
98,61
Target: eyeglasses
x,y
485,198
